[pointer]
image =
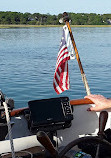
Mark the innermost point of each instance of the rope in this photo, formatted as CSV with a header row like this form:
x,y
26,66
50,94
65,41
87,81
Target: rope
x,y
9,129
27,152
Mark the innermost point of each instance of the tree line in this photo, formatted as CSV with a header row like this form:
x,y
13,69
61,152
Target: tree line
x,y
47,19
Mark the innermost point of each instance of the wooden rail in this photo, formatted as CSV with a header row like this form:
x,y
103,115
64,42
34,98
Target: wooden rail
x,y
80,102
72,102
18,111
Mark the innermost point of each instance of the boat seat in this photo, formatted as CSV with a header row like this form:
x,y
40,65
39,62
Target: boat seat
x,y
50,114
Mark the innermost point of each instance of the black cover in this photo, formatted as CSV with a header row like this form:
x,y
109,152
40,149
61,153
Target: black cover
x,y
53,111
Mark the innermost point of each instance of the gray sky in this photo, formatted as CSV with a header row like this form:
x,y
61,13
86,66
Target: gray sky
x,y
56,6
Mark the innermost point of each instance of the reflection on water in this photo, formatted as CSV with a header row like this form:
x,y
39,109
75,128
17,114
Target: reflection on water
x,y
28,58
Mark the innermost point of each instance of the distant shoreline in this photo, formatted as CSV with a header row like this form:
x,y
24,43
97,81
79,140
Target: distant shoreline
x,y
31,26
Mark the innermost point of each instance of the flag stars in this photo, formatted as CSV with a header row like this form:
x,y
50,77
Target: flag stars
x,y
61,76
65,27
61,44
62,40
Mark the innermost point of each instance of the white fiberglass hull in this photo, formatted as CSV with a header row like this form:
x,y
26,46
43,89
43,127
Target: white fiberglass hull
x,y
84,123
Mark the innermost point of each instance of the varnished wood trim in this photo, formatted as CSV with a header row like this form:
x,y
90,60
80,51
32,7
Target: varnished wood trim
x,y
18,111
80,102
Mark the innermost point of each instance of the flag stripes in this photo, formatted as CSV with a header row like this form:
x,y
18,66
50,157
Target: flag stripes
x,y
61,76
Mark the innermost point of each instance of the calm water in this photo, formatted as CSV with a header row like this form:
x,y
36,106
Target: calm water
x,y
28,57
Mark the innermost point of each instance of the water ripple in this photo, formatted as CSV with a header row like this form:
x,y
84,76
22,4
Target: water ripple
x,y
28,58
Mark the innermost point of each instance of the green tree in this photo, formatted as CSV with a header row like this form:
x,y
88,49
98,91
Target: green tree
x,y
47,19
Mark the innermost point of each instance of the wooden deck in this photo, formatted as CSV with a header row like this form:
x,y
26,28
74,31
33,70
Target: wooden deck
x,y
37,152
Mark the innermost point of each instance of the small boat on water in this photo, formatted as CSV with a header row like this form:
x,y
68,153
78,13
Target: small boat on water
x,y
54,127
62,119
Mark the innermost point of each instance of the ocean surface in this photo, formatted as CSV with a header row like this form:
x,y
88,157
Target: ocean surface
x,y
28,57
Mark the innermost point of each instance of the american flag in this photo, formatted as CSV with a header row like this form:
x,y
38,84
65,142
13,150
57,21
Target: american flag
x,y
61,76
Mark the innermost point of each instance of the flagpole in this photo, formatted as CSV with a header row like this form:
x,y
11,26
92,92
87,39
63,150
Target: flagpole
x,y
84,79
